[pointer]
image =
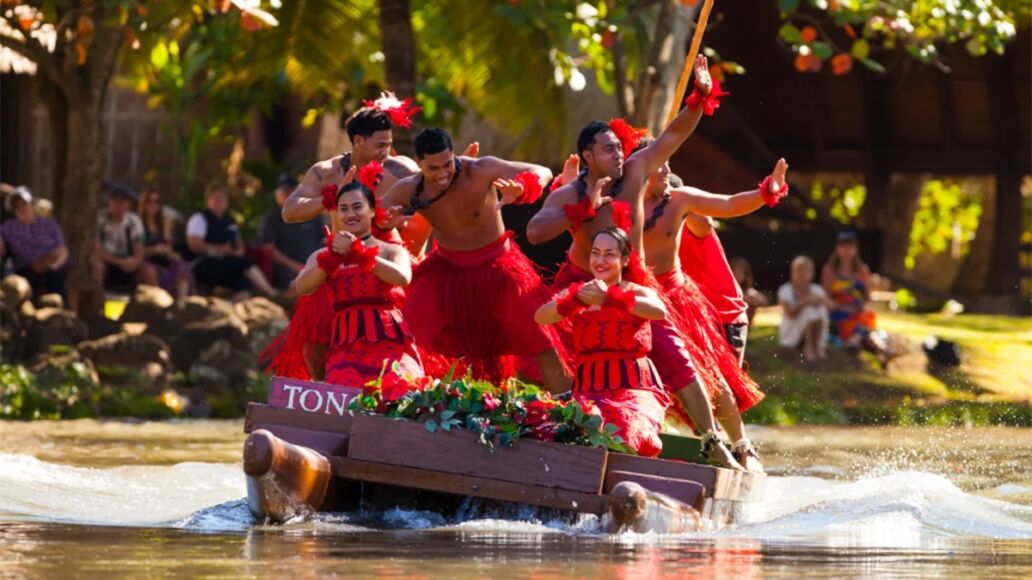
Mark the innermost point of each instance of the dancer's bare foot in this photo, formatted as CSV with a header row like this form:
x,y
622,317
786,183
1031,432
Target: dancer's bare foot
x,y
746,455
718,455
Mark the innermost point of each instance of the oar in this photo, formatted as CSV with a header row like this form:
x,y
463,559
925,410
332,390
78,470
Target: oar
x,y
686,71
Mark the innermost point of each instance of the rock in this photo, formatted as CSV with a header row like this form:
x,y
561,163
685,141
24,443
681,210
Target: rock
x,y
199,308
12,335
16,290
223,367
52,326
259,338
51,300
145,353
99,326
150,305
259,312
62,365
195,337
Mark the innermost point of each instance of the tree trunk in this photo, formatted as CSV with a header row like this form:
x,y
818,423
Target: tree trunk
x,y
1005,268
902,197
399,50
657,82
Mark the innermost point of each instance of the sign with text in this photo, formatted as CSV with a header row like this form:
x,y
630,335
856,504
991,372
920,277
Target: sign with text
x,y
311,396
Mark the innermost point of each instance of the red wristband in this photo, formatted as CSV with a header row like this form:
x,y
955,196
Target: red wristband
x,y
709,103
570,305
329,197
580,212
362,256
532,189
619,298
772,197
556,183
329,261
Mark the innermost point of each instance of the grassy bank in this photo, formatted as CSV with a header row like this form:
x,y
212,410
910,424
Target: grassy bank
x,y
992,386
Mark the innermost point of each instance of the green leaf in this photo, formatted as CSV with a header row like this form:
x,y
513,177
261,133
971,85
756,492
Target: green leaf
x,y
431,425
448,414
822,50
159,55
788,5
790,34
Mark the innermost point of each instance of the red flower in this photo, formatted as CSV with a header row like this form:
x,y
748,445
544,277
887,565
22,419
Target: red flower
x,y
422,383
490,402
370,175
393,386
537,413
589,407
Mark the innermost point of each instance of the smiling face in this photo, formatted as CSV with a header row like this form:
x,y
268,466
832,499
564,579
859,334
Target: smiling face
x,y
607,261
375,147
605,156
438,169
354,214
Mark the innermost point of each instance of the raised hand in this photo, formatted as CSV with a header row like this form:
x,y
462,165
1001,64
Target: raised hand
x,y
593,293
342,242
777,177
509,189
396,218
571,168
703,82
472,150
599,200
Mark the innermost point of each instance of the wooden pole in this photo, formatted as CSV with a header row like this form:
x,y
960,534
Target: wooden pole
x,y
689,62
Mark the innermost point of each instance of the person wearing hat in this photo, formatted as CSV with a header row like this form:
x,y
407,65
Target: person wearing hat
x,y
118,250
35,243
289,243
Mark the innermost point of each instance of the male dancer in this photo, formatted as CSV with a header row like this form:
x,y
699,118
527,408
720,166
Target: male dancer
x,y
667,210
571,208
474,297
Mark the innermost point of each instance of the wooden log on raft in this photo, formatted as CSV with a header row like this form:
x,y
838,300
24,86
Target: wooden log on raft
x,y
283,480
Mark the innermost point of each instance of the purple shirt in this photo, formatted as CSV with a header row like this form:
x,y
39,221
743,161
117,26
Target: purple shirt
x,y
28,241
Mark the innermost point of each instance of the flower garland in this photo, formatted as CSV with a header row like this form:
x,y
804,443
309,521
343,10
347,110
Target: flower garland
x,y
500,415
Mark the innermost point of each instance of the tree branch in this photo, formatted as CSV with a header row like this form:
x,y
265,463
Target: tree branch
x,y
31,49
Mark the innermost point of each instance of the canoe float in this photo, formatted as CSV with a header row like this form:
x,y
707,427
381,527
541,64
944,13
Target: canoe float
x,y
306,453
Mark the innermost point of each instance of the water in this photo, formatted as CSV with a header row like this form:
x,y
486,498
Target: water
x,y
87,498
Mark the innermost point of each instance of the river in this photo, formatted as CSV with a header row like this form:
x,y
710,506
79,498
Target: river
x,y
102,498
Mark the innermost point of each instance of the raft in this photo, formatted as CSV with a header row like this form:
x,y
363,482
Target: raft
x,y
306,453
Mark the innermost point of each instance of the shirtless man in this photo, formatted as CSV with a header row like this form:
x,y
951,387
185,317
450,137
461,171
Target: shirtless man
x,y
667,210
474,297
608,178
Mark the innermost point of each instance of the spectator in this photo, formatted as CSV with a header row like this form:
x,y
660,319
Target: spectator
x,y
215,238
172,273
290,244
36,244
742,271
118,249
804,308
845,278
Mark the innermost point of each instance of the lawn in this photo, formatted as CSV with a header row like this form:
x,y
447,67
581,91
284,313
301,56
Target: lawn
x,y
991,386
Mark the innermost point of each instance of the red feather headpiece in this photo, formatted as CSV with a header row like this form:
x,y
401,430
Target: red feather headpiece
x,y
629,136
370,175
400,112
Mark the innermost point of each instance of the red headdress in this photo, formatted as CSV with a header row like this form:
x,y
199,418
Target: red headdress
x,y
399,111
629,136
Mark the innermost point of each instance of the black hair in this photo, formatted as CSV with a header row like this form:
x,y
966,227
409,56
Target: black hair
x,y
586,137
675,180
366,121
432,140
642,143
622,241
366,192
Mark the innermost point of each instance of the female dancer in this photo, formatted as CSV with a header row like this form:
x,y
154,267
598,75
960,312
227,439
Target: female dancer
x,y
365,277
611,339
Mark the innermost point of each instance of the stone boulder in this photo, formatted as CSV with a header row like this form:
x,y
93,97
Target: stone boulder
x,y
52,326
16,291
56,367
150,305
198,323
264,319
100,326
51,300
145,353
222,367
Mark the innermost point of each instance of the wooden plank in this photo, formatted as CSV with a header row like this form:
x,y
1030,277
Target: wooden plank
x,y
719,483
408,444
439,481
689,492
259,413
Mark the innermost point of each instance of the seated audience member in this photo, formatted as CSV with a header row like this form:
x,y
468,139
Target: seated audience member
x,y
804,309
846,279
214,237
36,245
290,244
743,273
172,273
118,248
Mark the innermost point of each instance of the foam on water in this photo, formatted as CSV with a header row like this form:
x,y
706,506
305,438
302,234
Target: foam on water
x,y
898,509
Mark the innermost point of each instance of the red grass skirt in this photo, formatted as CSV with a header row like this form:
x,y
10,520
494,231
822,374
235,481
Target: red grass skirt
x,y
479,305
311,322
699,323
637,413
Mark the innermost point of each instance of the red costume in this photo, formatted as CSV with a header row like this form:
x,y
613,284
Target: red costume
x,y
367,329
611,347
704,261
479,305
311,323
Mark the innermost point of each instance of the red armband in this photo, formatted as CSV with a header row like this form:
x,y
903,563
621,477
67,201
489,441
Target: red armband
x,y
532,189
570,305
580,212
556,183
709,103
362,256
329,261
329,197
772,197
619,298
